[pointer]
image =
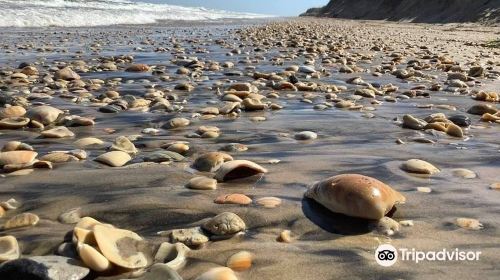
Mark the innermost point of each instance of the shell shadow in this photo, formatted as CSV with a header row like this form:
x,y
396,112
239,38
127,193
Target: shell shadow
x,y
334,222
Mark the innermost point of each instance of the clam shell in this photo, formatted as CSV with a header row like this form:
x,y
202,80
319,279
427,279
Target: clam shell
x,y
22,220
93,258
17,157
218,273
173,255
58,132
122,247
14,122
12,112
234,198
114,159
237,169
240,261
355,195
419,166
9,248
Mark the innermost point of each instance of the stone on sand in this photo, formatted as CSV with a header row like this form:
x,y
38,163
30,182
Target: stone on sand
x,y
190,236
355,195
160,271
71,216
44,114
306,135
66,74
387,226
211,161
44,267
226,223
138,68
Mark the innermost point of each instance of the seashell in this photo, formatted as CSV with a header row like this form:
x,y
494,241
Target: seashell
x,y
419,166
88,141
179,148
14,122
173,255
10,204
268,202
468,223
202,183
17,157
226,223
122,247
285,236
87,223
234,198
58,132
92,258
240,261
218,273
114,159
12,112
85,236
387,226
22,220
355,195
464,173
16,146
42,164
58,157
9,248
237,169
176,123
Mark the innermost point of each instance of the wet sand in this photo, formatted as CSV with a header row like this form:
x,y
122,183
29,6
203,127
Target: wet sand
x,y
149,199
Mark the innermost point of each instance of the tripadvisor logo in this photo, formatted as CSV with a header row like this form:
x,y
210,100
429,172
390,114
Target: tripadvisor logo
x,y
387,255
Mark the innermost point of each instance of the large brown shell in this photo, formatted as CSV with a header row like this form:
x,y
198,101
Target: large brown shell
x,y
355,195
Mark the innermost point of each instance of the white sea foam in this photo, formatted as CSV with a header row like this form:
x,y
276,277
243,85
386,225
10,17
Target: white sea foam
x,y
39,13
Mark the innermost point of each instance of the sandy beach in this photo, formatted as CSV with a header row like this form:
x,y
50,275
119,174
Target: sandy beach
x,y
304,99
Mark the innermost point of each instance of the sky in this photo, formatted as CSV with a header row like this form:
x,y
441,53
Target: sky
x,y
272,7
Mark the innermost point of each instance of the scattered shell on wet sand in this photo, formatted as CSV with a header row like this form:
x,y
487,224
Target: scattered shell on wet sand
x,y
355,195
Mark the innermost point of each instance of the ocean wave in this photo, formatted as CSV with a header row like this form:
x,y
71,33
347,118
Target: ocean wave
x,y
73,13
